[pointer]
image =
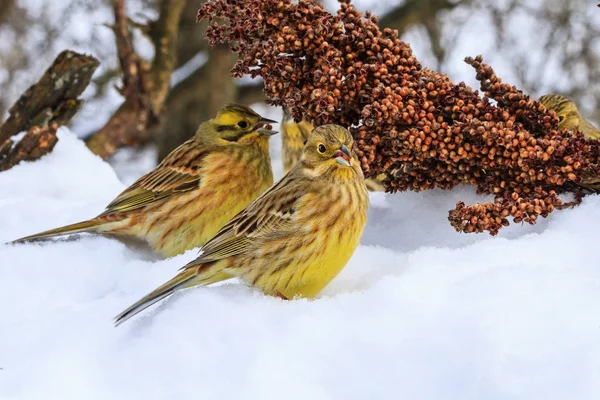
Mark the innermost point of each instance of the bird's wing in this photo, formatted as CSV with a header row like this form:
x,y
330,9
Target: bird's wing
x,y
179,172
588,129
271,214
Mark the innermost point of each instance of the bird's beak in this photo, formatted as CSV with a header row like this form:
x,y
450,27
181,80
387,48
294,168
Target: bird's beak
x,y
260,127
342,156
267,120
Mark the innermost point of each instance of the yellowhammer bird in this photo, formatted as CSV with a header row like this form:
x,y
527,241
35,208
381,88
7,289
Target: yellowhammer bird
x,y
569,115
194,191
293,239
294,135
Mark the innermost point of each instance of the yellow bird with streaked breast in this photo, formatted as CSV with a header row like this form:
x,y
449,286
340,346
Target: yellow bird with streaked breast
x,y
293,137
569,115
194,191
293,239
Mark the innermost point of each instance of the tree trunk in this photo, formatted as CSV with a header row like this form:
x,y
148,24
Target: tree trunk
x,y
145,87
197,99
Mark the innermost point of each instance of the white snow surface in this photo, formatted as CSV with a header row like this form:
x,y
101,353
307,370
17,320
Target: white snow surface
x,y
420,312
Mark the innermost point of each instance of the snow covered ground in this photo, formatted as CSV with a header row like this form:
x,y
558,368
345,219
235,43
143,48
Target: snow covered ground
x,y
420,312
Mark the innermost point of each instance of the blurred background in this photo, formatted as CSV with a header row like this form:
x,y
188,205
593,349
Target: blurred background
x,y
540,46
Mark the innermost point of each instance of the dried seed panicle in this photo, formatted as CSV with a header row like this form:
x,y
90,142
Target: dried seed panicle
x,y
410,123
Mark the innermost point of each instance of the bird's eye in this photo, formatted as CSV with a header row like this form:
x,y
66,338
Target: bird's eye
x,y
322,148
243,124
561,118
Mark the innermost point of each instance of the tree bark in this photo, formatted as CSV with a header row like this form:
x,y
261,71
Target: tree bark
x,y
54,97
192,32
6,8
37,142
197,99
145,87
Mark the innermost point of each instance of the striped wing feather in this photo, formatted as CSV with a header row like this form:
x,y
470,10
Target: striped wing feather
x,y
270,215
178,172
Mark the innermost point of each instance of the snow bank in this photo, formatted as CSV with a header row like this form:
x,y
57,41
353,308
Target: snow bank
x,y
420,312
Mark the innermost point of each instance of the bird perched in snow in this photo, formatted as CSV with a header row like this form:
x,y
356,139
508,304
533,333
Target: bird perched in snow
x,y
194,191
569,115
294,135
293,239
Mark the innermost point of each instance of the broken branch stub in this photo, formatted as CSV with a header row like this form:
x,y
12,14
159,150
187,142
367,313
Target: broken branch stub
x,y
51,102
37,142
55,97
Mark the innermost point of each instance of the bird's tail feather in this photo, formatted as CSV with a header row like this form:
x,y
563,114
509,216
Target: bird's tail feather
x,y
204,274
85,226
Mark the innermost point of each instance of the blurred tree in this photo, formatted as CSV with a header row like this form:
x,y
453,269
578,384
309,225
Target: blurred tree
x,y
14,24
206,86
5,9
540,46
425,13
145,85
551,45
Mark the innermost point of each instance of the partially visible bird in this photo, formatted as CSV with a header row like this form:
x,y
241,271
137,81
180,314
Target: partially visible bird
x,y
294,135
293,239
194,191
569,115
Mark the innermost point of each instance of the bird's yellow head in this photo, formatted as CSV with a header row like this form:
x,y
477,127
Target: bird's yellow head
x,y
328,152
565,109
235,124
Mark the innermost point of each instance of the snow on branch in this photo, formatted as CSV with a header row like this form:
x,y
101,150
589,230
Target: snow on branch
x,y
54,97
37,142
412,124
51,102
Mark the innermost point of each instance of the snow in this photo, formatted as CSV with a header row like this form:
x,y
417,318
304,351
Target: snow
x,y
420,312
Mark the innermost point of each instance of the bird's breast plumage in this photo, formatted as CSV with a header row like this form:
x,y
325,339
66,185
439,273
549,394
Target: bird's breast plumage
x,y
230,180
323,233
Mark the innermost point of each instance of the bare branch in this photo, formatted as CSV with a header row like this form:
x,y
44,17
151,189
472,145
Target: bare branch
x,y
167,28
145,87
5,9
54,97
37,142
197,98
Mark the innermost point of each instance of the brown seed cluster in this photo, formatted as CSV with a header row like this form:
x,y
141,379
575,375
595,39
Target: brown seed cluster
x,y
410,123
